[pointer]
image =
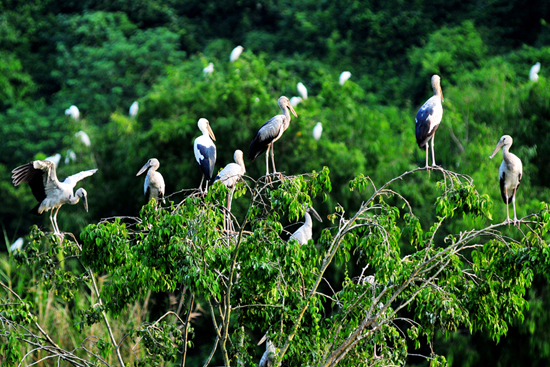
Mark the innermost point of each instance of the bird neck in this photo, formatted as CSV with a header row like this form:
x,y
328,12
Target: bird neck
x,y
309,222
506,155
74,199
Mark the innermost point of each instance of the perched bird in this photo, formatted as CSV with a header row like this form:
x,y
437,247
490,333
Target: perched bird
x,y
295,101
534,72
205,151
134,108
270,132
154,182
209,69
317,131
229,177
17,245
302,90
428,118
73,112
84,138
305,232
509,174
70,156
236,53
56,158
270,352
344,76
48,190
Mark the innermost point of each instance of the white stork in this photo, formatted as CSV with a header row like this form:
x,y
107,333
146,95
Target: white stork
x,y
302,90
305,232
270,132
231,174
428,118
317,131
509,174
344,77
205,151
154,182
73,112
236,53
134,108
534,72
48,190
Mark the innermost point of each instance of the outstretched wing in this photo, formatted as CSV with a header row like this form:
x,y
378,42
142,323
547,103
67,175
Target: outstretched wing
x,y
73,179
40,175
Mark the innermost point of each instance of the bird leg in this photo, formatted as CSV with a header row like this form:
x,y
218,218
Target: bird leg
x,y
267,179
433,155
51,220
200,186
514,205
273,161
427,166
55,220
507,206
206,189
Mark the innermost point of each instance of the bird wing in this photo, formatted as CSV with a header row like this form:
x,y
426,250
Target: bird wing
x,y
73,179
267,134
205,154
40,175
230,174
427,120
503,189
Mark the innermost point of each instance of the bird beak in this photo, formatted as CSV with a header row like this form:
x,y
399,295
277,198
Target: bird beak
x,y
315,214
210,132
497,148
441,92
292,110
85,201
143,169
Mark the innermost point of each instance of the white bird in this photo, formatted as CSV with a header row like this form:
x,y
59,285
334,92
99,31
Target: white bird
x,y
509,174
344,76
209,69
429,117
17,245
305,232
205,151
270,352
134,108
84,138
154,186
236,53
48,190
73,112
56,158
534,72
295,101
317,131
70,156
270,132
302,90
230,175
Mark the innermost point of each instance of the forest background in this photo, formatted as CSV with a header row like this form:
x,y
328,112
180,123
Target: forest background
x,y
101,56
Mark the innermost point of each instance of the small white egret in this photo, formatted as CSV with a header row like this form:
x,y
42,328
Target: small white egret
x,y
295,101
84,138
236,53
534,72
48,190
344,76
73,112
209,69
317,131
134,109
70,156
17,245
302,90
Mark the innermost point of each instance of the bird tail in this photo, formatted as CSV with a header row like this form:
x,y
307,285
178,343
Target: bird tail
x,y
35,210
257,147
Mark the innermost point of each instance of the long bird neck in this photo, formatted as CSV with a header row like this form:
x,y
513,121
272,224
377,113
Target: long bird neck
x,y
74,199
506,155
286,112
309,222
